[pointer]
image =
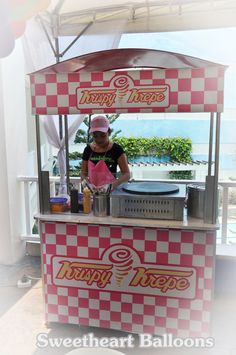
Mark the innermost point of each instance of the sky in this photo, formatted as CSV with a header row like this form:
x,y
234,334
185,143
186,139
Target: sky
x,y
213,44
216,45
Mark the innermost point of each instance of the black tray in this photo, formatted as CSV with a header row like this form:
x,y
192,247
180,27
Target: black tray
x,y
150,188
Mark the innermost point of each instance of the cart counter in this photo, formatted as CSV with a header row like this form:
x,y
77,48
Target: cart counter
x,y
135,275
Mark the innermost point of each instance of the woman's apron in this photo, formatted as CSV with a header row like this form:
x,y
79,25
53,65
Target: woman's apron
x,y
99,174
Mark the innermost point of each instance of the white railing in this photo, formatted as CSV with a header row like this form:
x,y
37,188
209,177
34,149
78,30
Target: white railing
x,y
228,212
30,202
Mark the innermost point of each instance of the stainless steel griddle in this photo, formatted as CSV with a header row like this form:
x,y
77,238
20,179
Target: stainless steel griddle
x,y
150,188
147,199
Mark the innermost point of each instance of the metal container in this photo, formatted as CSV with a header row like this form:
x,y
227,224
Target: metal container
x,y
101,205
195,202
169,206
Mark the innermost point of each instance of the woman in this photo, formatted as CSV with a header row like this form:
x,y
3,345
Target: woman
x,y
103,150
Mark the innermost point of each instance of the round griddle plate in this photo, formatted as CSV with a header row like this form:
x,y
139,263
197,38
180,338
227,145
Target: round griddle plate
x,y
150,188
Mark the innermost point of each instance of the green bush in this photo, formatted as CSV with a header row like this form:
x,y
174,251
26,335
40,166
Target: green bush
x,y
177,148
75,172
181,175
75,155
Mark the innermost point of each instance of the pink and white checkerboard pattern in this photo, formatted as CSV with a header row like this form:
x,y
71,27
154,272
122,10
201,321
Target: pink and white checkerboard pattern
x,y
130,312
191,90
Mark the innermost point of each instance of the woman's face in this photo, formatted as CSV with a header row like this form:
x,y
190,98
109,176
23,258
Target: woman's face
x,y
100,138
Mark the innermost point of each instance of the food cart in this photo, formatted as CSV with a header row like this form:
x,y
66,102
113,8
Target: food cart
x,y
141,275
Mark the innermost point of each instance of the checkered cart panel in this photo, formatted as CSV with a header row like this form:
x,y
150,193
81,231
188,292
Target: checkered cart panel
x,y
139,312
170,90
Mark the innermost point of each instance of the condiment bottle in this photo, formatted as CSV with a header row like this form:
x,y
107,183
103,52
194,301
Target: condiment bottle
x,y
86,200
74,203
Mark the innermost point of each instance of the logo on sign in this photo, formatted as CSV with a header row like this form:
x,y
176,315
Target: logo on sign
x,y
120,268
123,93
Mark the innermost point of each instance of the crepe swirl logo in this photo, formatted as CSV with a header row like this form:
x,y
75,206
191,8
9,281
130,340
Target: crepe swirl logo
x,y
122,262
120,268
122,91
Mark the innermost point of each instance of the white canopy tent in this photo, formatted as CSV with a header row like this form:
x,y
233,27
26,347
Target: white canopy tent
x,y
99,24
70,17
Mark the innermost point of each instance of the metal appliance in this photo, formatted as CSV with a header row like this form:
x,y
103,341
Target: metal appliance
x,y
196,200
101,205
148,199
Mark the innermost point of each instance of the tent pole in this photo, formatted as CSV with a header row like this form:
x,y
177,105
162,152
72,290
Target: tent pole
x,y
58,7
76,39
47,35
57,55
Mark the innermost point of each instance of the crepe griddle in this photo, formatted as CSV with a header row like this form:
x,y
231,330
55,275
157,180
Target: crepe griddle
x,y
150,188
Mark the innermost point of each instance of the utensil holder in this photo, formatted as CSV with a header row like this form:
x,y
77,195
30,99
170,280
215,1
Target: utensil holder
x,y
101,205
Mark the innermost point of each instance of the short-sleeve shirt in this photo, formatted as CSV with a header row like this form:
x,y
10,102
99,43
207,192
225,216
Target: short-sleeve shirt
x,y
110,157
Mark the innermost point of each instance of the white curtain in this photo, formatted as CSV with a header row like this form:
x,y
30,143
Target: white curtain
x,y
54,139
99,36
38,54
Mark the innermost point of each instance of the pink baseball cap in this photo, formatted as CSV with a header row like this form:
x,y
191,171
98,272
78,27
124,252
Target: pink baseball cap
x,y
99,124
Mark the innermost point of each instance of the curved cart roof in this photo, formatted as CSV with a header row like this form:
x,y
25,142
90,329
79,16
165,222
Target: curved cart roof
x,y
127,81
121,58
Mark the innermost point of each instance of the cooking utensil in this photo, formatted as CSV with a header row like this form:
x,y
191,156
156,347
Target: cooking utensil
x,y
85,183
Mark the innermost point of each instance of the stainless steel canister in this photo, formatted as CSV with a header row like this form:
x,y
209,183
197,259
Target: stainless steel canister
x,y
195,202
101,205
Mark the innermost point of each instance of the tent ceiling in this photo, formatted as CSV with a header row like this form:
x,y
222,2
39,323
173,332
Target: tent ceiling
x,y
69,17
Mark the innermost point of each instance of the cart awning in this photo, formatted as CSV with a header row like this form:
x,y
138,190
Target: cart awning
x,y
127,81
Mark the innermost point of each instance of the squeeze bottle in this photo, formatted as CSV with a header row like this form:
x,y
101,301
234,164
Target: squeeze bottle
x,y
86,200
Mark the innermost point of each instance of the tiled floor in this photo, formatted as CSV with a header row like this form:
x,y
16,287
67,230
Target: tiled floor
x,y
22,320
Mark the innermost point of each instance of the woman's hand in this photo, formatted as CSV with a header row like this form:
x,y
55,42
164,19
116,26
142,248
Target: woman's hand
x,y
115,184
123,178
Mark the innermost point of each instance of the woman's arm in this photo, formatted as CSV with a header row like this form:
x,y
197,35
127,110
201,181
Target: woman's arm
x,y
124,169
84,170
